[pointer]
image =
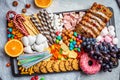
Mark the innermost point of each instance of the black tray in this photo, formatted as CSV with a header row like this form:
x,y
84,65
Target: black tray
x,y
14,65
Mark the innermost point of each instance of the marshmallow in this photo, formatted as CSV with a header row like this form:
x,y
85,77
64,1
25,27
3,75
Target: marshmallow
x,y
28,49
40,39
38,48
25,41
104,32
111,33
31,39
108,39
111,28
115,41
99,38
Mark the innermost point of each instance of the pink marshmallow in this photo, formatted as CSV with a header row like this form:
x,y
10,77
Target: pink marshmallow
x,y
108,39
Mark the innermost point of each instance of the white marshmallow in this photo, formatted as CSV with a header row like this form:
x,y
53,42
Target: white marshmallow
x,y
38,48
111,28
25,41
111,33
99,38
115,41
104,32
40,39
31,39
28,49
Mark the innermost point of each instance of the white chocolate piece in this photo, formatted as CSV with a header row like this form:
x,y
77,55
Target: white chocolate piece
x,y
25,41
104,32
115,41
28,49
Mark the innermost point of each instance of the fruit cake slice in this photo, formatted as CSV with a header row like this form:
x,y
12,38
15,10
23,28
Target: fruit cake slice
x,y
94,20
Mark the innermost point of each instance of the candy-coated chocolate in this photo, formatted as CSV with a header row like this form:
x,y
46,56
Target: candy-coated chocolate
x,y
78,49
57,33
76,46
79,36
10,29
71,40
57,41
74,42
71,48
59,38
75,34
9,35
71,45
75,49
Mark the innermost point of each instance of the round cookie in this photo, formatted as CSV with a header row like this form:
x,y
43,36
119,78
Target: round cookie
x,y
68,65
75,64
43,67
36,67
70,61
55,66
49,66
62,66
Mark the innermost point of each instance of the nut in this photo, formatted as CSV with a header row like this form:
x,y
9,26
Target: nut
x,y
15,3
8,64
27,5
24,10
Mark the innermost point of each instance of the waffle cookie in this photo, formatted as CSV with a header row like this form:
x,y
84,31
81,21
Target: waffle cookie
x,y
94,20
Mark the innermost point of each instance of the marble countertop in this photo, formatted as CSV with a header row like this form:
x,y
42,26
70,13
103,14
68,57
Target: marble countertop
x,y
57,6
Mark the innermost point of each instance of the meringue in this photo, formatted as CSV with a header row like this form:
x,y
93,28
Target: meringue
x,y
111,28
108,39
40,39
99,38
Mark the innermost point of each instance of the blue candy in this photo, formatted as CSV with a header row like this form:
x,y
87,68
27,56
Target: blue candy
x,y
78,49
10,29
71,48
59,38
75,34
74,42
9,35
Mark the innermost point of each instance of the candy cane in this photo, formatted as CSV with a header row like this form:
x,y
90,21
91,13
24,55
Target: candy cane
x,y
8,14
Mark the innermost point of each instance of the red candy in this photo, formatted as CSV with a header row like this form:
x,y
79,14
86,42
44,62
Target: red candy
x,y
57,33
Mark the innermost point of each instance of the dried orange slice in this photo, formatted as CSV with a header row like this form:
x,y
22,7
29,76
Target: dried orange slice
x,y
13,48
43,3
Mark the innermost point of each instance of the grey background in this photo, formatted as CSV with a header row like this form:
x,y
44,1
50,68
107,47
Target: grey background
x,y
57,6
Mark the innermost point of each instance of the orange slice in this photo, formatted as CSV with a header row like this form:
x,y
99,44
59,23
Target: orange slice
x,y
13,48
43,3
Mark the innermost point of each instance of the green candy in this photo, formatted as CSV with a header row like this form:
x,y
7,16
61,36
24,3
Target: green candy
x,y
42,78
12,36
71,40
75,49
78,49
75,34
59,38
57,41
